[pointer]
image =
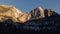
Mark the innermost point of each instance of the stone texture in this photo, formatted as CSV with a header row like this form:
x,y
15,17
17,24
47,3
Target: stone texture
x,y
48,12
37,13
16,15
25,17
9,12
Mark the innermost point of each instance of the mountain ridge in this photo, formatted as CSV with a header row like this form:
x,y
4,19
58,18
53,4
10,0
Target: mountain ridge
x,y
11,12
31,22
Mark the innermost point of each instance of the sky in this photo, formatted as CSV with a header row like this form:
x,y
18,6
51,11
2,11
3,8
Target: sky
x,y
28,5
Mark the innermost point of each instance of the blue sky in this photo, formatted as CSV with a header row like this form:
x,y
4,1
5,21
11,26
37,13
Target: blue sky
x,y
28,5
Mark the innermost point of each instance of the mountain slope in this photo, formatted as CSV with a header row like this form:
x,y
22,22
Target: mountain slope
x,y
49,24
39,12
11,12
35,22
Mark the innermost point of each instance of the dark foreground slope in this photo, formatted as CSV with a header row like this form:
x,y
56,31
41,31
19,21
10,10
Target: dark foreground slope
x,y
45,25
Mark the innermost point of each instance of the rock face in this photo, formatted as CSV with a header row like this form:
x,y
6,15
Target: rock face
x,y
41,13
25,17
34,22
10,12
48,12
37,13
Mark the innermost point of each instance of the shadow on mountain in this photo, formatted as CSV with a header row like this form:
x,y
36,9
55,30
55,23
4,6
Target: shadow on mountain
x,y
45,25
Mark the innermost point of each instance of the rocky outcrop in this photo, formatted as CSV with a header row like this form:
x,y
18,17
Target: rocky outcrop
x,y
16,15
37,13
48,12
34,22
41,13
25,17
9,12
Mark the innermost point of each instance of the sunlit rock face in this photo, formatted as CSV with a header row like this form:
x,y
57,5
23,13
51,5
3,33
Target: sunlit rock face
x,y
9,12
25,17
16,15
36,21
37,13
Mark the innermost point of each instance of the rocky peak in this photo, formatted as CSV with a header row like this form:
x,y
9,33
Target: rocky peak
x,y
16,15
39,12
